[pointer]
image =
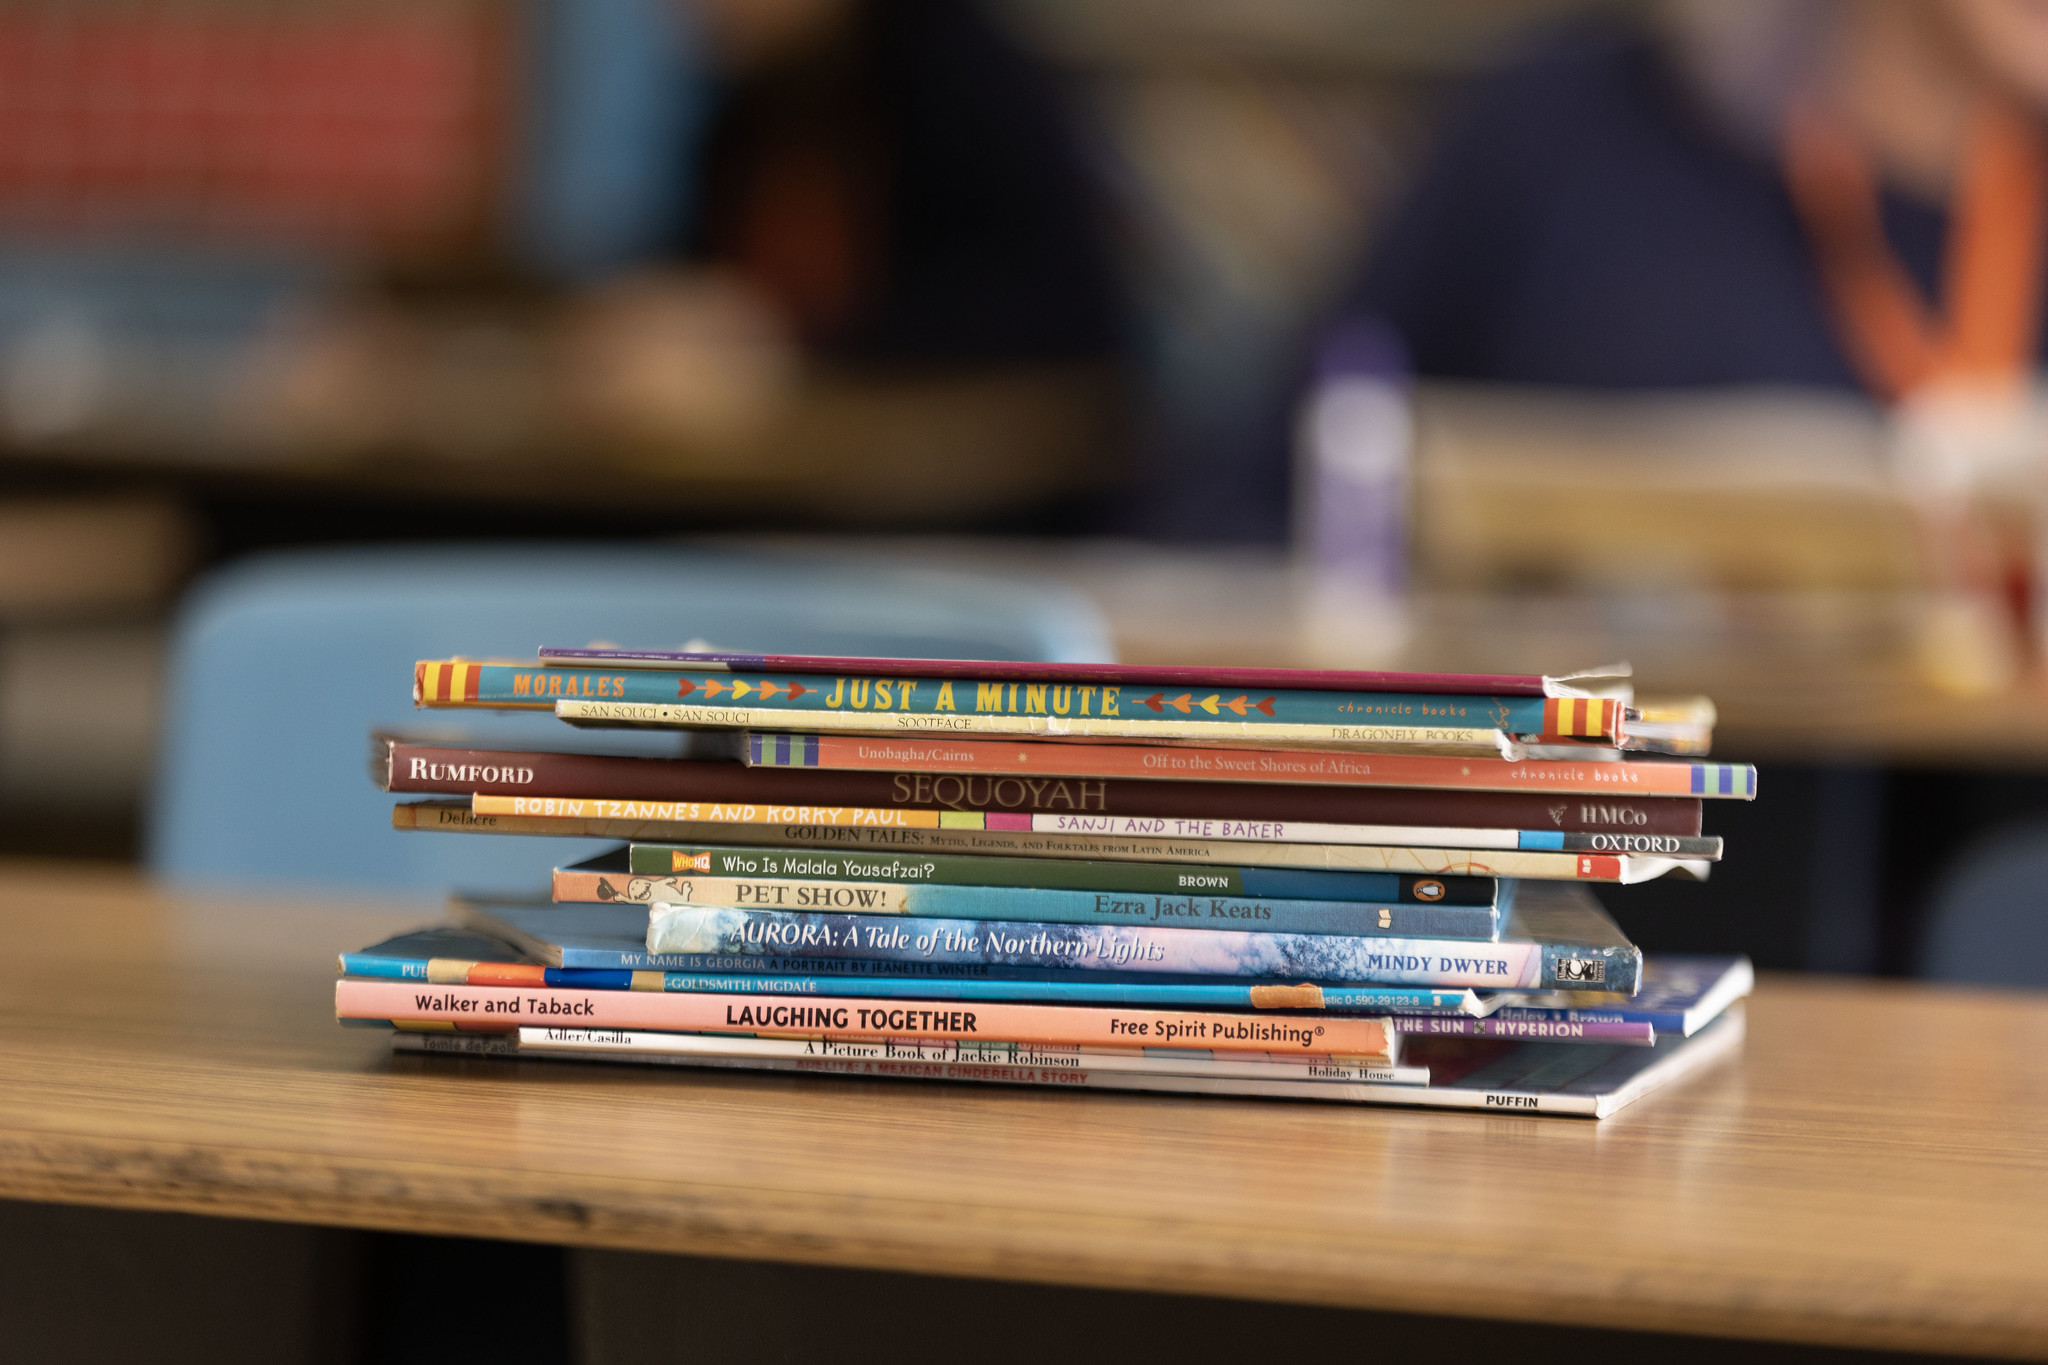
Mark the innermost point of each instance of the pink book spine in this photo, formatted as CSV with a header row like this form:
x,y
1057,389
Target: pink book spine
x,y
494,1008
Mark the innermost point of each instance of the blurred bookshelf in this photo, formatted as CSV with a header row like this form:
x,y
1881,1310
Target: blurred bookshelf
x,y
277,272
288,246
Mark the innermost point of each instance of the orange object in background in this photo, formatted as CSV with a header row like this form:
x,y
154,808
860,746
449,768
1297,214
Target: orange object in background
x,y
352,126
1901,342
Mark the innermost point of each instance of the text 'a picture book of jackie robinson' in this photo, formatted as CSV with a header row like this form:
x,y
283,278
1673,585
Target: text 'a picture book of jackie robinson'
x,y
1368,888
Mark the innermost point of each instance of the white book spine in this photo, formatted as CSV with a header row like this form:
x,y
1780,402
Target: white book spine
x,y
1254,1066
1475,741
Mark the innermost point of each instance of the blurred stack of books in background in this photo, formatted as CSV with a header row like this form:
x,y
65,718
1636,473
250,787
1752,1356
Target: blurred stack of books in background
x,y
1361,887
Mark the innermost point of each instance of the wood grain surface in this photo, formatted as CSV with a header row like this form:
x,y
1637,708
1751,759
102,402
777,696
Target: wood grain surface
x,y
1872,1171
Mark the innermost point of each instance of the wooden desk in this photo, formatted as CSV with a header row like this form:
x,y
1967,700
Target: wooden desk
x,y
1872,1172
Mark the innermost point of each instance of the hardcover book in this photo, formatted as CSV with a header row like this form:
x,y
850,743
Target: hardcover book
x,y
1606,805
1557,938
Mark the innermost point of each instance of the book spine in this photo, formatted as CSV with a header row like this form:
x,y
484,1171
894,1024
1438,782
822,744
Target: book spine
x,y
445,971
1077,875
1528,1031
1658,1021
806,701
970,755
499,1008
1230,914
1074,989
1177,1062
1441,739
430,770
1194,952
982,1073
1149,675
1429,861
457,818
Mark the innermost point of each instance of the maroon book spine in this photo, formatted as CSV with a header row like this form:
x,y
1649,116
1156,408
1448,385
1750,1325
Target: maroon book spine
x,y
429,769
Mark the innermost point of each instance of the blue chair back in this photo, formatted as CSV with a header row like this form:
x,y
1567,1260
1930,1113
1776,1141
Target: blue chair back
x,y
1988,921
281,666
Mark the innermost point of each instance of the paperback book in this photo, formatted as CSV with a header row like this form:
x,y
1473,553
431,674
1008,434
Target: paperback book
x,y
1135,675
1680,994
573,815
1636,1033
458,818
612,939
1078,874
1020,758
1476,1074
643,1045
1050,905
1556,938
503,1008
1019,888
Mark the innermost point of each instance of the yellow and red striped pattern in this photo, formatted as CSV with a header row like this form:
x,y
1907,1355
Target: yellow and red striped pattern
x,y
444,682
1581,718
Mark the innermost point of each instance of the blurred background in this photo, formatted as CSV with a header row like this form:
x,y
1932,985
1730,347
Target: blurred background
x,y
1480,335
1504,335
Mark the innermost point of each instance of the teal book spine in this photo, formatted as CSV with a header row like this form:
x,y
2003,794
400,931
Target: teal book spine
x,y
1055,906
797,697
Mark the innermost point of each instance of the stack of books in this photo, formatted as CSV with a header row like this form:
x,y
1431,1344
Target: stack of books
x,y
1364,887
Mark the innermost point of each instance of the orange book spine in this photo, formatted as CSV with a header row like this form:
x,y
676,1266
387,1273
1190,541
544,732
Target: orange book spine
x,y
1310,767
719,812
502,1008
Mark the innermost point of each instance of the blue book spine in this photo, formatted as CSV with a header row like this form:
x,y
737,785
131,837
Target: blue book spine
x,y
385,968
1664,1021
742,935
1054,905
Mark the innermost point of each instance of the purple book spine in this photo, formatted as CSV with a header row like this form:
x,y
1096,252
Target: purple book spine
x,y
1144,675
1530,1030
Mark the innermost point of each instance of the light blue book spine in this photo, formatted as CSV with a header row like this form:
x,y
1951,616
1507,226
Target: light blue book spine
x,y
384,968
742,935
1055,905
1226,994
